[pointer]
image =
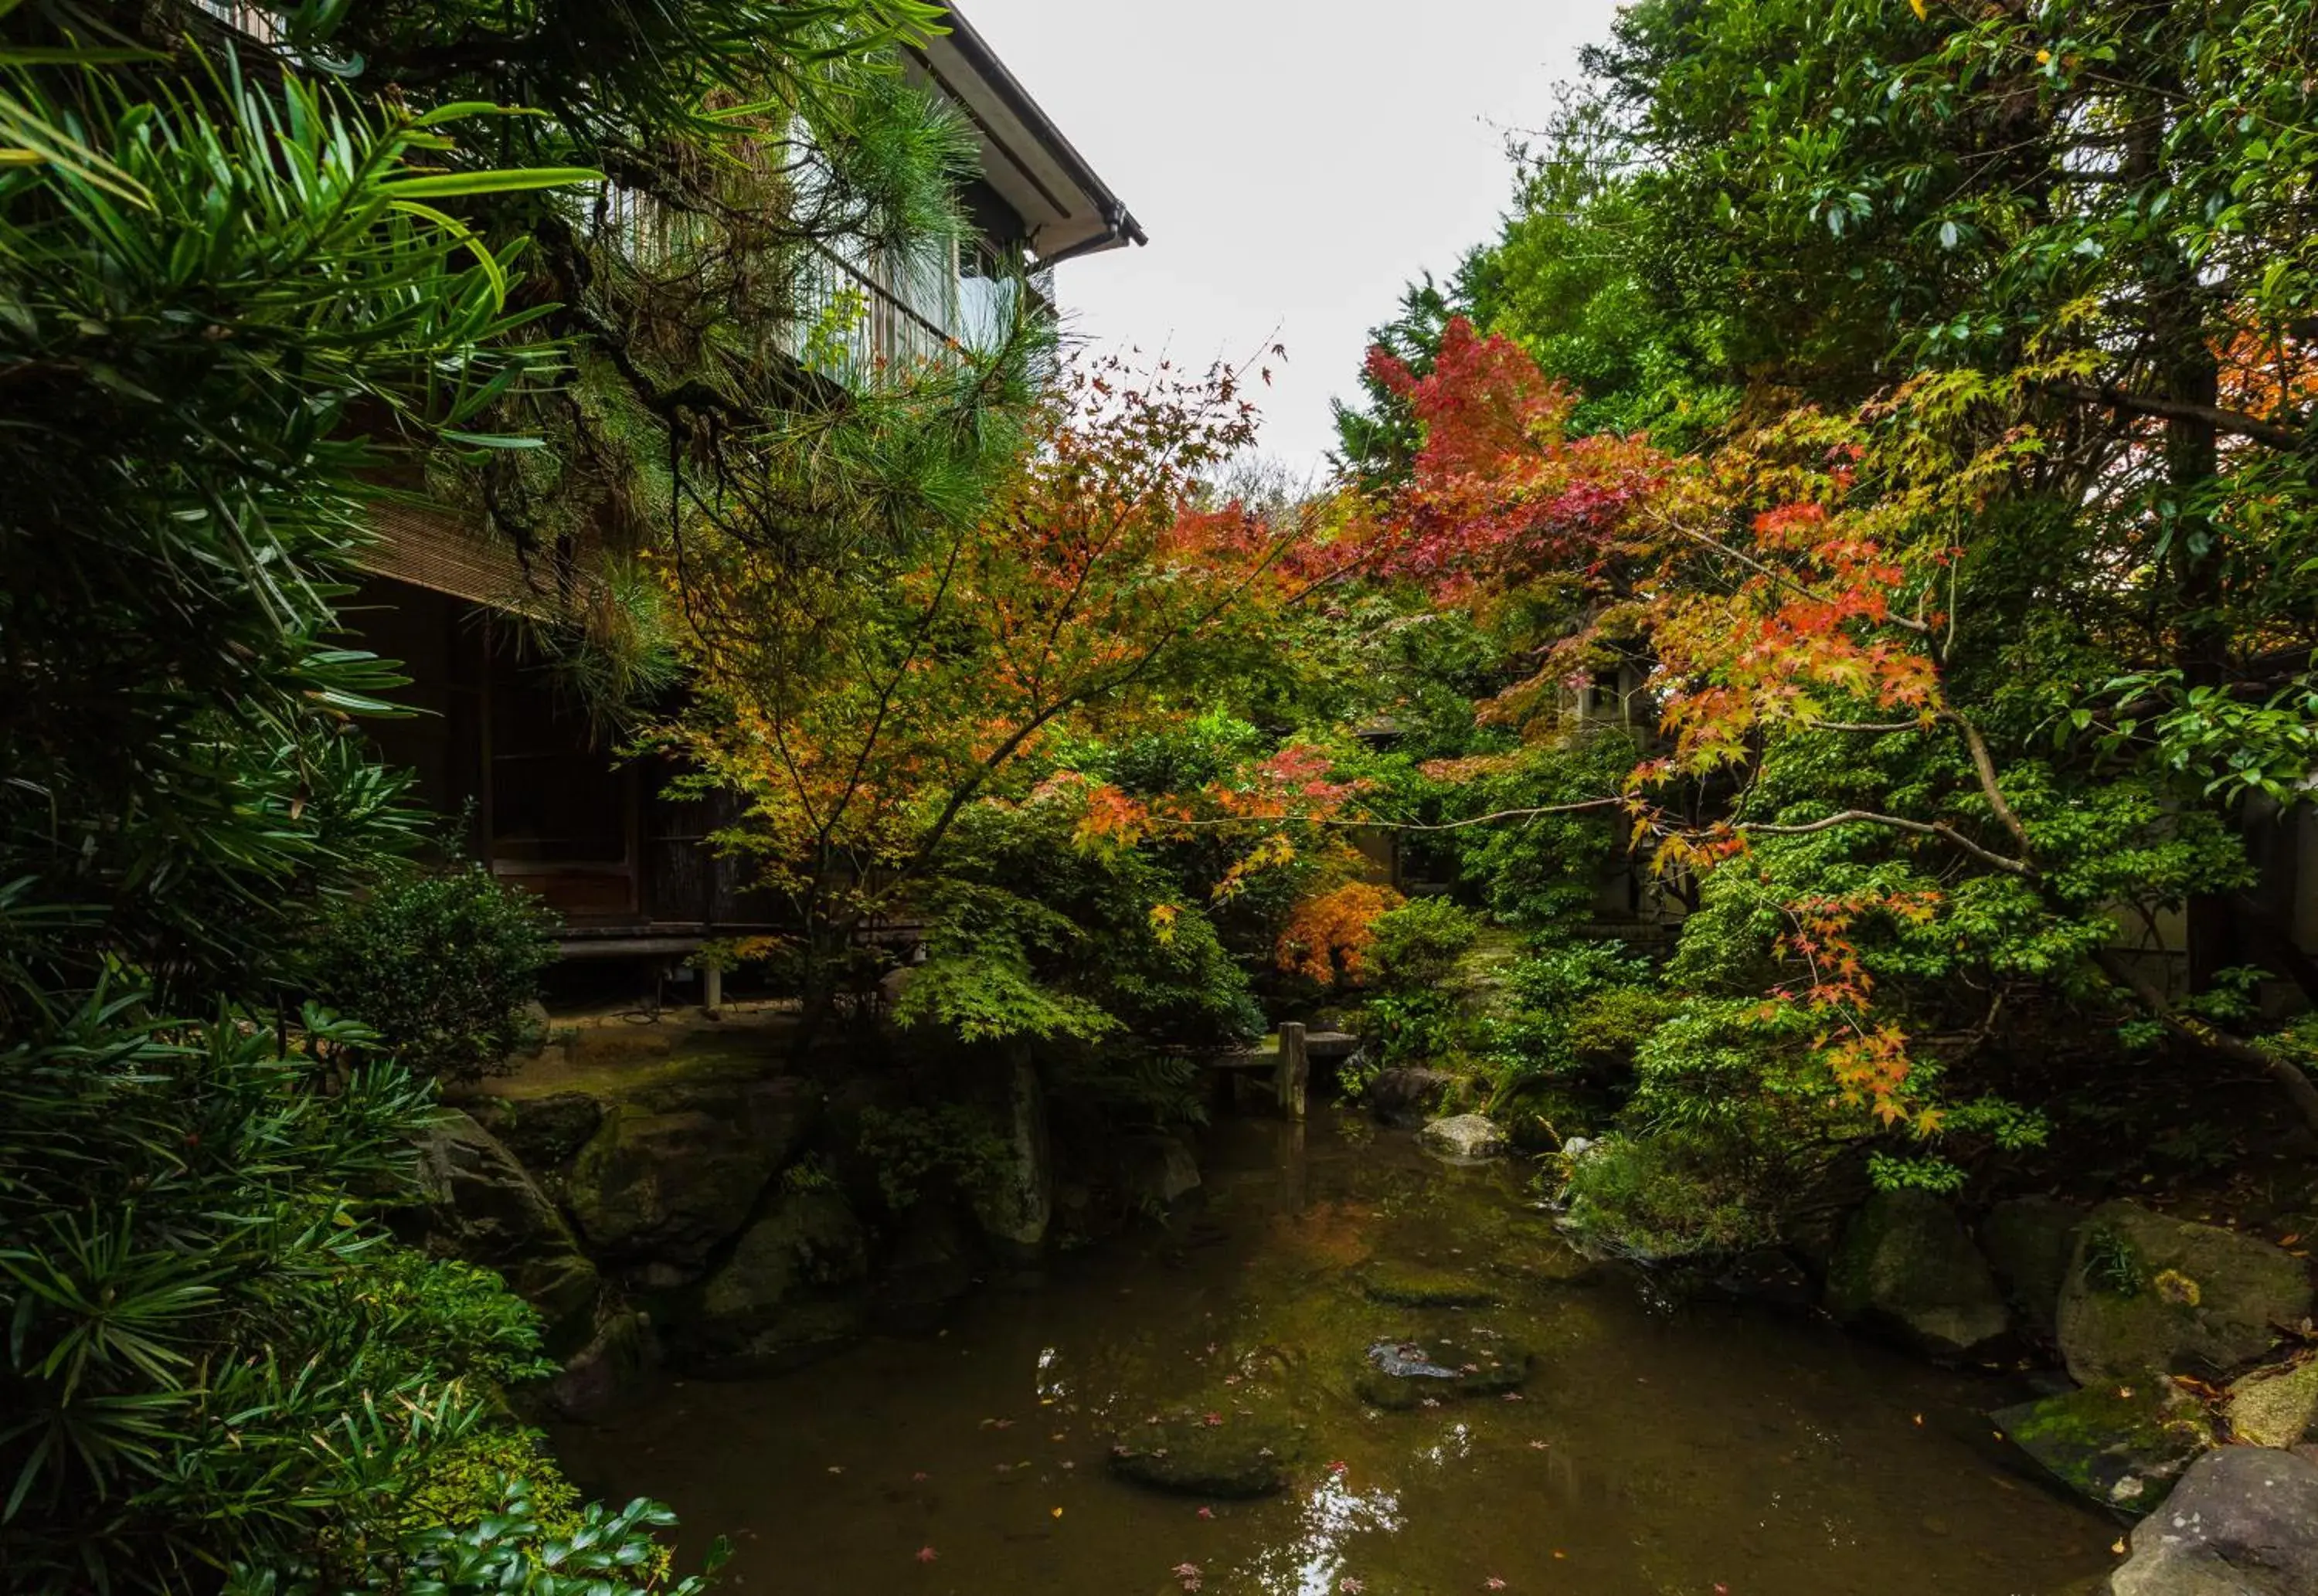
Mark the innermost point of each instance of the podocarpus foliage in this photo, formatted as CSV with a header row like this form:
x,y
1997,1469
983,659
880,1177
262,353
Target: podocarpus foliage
x,y
241,296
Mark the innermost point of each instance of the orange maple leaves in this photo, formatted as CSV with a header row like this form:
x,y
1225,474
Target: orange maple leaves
x,y
1328,936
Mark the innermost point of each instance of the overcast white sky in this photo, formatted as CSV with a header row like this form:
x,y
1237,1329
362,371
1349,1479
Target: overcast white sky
x,y
1294,162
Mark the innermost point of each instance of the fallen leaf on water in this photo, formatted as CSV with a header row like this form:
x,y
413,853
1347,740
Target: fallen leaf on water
x,y
837,1468
1058,1512
1558,1553
1919,1419
925,1554
2119,1546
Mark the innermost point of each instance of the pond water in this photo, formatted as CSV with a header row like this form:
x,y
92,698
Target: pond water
x,y
1704,1447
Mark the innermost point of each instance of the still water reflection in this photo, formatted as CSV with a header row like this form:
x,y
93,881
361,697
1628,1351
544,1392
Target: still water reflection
x,y
1705,1449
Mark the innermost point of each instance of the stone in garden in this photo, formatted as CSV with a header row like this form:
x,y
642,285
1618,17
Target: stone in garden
x,y
2274,1407
1017,1204
2027,1241
545,1131
1406,1095
623,1352
2147,1292
483,1207
1468,1136
1236,1459
1158,1172
1906,1268
2114,1445
810,1241
666,1185
1413,1286
2242,1522
1399,1375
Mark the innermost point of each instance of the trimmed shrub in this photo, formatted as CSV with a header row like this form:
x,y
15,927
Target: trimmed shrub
x,y
443,965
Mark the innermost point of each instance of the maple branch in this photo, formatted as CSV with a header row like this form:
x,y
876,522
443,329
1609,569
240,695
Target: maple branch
x,y
2272,432
1984,763
1772,572
1939,828
1373,825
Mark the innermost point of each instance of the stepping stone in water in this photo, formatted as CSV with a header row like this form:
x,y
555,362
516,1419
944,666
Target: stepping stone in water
x,y
1237,1459
1411,1287
1401,1374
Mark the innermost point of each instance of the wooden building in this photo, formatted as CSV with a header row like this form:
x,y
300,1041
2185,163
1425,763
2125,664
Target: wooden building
x,y
553,808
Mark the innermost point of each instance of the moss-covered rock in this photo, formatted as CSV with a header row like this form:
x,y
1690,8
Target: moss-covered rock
x,y
796,1333
1398,1375
1464,1138
483,1207
2274,1407
809,1241
546,1133
664,1185
1237,1458
2027,1241
2146,1292
2114,1445
1411,1286
1907,1268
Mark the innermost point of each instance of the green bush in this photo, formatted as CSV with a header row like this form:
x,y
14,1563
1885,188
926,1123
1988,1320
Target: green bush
x,y
444,966
1417,944
1672,1194
216,1355
918,1149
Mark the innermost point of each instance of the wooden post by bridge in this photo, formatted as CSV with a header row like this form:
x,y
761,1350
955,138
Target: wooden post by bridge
x,y
1295,1072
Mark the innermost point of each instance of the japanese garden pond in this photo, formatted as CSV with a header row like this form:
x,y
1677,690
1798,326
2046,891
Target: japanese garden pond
x,y
1357,1311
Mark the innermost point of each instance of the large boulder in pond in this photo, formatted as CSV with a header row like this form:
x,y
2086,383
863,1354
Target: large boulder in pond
x,y
662,1183
809,1240
2027,1241
2243,1521
1408,1094
790,1290
2145,1292
1158,1173
1906,1268
1466,1137
483,1207
2117,1446
1016,1205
